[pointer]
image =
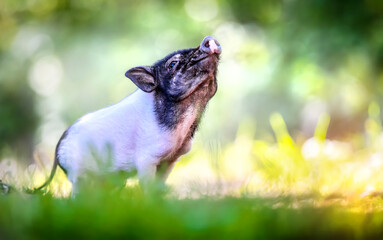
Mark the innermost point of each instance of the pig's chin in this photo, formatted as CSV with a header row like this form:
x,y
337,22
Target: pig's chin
x,y
203,85
209,62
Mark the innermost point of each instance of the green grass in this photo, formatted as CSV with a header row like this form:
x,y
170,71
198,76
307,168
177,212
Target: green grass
x,y
128,214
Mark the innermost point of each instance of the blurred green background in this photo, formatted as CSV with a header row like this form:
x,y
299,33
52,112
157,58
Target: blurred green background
x,y
300,83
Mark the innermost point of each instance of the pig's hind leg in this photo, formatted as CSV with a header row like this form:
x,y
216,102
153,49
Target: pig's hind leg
x,y
74,179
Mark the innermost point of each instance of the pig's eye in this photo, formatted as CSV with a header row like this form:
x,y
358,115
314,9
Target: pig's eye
x,y
172,64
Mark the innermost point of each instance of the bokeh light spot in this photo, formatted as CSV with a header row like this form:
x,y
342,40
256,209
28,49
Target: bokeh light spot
x,y
45,75
201,10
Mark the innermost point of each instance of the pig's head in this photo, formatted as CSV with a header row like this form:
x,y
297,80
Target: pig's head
x,y
180,79
180,73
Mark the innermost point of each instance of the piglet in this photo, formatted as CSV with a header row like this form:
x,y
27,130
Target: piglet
x,y
149,129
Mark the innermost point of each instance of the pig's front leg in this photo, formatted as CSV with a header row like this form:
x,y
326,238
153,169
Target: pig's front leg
x,y
151,174
163,170
146,173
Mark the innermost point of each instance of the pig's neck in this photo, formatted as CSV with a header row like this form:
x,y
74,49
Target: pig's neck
x,y
183,115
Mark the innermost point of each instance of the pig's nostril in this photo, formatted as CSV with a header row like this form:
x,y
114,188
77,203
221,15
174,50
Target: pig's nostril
x,y
210,45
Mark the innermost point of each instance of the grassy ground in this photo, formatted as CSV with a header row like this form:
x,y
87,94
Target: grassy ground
x,y
115,213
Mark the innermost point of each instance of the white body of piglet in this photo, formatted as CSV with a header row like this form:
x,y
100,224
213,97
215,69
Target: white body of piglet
x,y
125,136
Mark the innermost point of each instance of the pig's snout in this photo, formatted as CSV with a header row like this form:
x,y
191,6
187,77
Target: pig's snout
x,y
210,45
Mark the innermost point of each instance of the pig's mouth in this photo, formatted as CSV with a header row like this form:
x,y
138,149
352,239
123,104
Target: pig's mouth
x,y
200,55
200,58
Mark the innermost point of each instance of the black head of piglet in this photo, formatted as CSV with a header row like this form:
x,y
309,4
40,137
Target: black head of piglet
x,y
183,79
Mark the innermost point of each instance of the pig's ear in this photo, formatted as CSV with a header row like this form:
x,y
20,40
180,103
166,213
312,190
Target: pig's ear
x,y
143,77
